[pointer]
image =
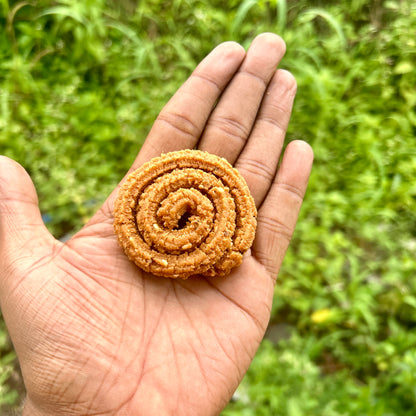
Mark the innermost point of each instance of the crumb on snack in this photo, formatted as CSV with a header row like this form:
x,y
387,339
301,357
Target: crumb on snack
x,y
185,213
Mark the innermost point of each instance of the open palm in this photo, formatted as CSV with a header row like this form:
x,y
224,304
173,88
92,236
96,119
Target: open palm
x,y
97,336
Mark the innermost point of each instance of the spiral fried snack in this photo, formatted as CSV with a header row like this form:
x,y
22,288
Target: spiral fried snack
x,y
185,213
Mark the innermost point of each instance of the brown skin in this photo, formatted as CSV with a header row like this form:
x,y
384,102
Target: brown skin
x,y
96,336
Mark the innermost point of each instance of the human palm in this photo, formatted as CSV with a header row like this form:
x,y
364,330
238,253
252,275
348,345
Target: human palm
x,y
97,336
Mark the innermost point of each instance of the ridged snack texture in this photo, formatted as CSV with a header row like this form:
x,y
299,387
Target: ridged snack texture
x,y
185,213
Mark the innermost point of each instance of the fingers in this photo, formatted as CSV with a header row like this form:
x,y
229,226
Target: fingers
x,y
279,212
231,122
258,161
190,111
182,120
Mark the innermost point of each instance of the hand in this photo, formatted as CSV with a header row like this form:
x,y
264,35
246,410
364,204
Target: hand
x,y
96,336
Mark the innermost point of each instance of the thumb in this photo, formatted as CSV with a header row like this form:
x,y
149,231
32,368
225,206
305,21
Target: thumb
x,y
22,231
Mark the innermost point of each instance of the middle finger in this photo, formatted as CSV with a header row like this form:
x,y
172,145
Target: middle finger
x,y
232,119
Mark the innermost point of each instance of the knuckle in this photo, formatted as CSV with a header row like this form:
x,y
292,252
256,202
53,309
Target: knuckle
x,y
293,190
180,122
230,126
256,168
275,226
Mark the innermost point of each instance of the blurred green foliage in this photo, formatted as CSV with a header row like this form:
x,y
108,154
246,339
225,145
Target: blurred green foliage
x,y
80,85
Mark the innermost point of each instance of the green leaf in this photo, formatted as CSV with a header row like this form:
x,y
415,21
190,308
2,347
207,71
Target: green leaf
x,y
404,67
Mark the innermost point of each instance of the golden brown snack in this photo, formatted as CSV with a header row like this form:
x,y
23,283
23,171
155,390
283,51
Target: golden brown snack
x,y
185,213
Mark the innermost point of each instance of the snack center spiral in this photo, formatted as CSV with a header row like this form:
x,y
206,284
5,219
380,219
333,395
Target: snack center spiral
x,y
185,213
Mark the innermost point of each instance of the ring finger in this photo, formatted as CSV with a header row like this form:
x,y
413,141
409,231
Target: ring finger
x,y
258,161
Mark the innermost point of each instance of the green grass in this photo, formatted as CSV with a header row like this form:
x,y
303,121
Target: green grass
x,y
80,85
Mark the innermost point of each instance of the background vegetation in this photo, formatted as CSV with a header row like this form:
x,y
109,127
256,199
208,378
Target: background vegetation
x,y
80,85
